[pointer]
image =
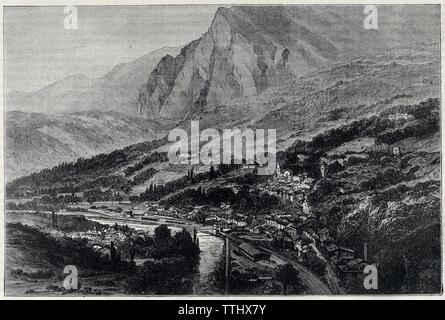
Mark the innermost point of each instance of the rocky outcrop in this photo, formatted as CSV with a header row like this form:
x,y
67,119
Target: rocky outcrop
x,y
224,63
160,84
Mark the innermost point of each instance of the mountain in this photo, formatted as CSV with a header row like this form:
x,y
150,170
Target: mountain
x,y
326,99
34,141
334,95
249,49
115,91
298,106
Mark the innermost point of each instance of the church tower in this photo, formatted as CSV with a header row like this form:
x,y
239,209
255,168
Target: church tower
x,y
278,170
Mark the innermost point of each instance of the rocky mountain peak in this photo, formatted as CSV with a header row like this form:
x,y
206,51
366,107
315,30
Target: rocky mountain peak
x,y
249,49
222,64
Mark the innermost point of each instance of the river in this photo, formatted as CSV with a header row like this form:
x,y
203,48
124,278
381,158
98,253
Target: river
x,y
211,253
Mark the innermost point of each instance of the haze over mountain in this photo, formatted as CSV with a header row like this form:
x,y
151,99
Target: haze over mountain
x,y
78,117
117,90
249,49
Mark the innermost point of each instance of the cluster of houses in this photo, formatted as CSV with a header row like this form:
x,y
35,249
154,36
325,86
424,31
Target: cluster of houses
x,y
289,188
99,238
222,217
303,233
343,260
383,148
400,117
300,230
158,210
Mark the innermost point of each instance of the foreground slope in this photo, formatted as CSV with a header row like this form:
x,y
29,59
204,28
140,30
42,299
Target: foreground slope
x,y
35,141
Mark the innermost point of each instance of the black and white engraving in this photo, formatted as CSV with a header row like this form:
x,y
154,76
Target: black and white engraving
x,y
222,150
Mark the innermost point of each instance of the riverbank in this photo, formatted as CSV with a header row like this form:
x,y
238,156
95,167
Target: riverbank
x,y
36,256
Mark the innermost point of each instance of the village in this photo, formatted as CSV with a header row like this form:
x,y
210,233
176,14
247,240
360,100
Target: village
x,y
297,234
262,241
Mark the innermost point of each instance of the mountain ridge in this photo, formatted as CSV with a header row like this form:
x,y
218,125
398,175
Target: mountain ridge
x,y
248,49
35,141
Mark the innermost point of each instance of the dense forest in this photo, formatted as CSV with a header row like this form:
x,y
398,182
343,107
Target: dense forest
x,y
84,173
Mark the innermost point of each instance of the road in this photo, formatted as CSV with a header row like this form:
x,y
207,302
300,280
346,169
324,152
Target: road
x,y
331,277
102,215
310,281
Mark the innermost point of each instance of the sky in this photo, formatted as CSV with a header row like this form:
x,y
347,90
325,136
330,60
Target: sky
x,y
38,50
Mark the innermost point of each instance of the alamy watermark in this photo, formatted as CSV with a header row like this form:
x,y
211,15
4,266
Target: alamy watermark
x,y
71,281
371,20
235,146
71,21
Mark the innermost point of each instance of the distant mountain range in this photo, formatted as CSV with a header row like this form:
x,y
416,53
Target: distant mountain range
x,y
115,91
78,116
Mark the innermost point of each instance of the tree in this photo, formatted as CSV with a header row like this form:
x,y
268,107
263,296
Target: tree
x,y
114,255
91,199
212,173
334,167
162,234
200,217
315,263
191,175
276,244
184,244
287,275
73,198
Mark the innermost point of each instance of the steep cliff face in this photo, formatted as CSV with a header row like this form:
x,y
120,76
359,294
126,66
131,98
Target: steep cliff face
x,y
249,49
160,84
229,60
